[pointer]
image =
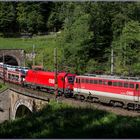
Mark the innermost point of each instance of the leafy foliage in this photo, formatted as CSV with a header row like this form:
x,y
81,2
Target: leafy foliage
x,y
29,17
84,33
128,47
58,120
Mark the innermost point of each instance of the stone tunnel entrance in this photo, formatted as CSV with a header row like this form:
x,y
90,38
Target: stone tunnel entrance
x,y
10,60
13,56
22,111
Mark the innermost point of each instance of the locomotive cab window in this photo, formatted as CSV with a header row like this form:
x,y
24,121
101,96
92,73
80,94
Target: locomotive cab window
x,y
71,79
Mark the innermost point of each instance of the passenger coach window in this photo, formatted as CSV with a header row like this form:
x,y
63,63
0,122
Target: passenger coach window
x,y
125,84
104,82
82,80
100,82
110,83
131,85
114,83
95,82
86,80
91,81
120,84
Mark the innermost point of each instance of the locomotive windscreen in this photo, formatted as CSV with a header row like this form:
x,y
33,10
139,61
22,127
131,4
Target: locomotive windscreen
x,y
71,79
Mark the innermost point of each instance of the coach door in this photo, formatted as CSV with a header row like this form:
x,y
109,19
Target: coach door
x,y
137,92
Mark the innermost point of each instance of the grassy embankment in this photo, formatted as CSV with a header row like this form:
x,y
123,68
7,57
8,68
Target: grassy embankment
x,y
63,121
44,47
27,43
2,87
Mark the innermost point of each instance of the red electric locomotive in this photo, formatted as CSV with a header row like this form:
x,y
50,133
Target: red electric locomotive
x,y
114,90
43,80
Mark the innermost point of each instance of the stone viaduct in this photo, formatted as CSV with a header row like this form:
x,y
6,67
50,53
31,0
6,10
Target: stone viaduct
x,y
15,104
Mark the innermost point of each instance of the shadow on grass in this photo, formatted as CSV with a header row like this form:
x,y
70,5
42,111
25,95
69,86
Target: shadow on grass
x,y
63,121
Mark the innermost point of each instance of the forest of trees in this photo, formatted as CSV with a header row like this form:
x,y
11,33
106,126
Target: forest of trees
x,y
88,31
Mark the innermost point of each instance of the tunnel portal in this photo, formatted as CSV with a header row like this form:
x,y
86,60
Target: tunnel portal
x,y
10,60
14,57
22,111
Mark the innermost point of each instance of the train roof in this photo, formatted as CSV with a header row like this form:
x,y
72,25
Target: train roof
x,y
47,72
111,77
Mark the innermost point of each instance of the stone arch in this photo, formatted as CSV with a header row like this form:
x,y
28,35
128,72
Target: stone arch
x,y
21,111
21,103
10,59
17,54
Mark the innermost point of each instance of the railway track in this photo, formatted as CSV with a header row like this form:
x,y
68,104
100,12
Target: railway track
x,y
77,103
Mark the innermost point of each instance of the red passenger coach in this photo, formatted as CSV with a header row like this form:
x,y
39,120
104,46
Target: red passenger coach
x,y
117,91
44,80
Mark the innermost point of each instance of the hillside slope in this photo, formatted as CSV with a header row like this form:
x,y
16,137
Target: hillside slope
x,y
63,121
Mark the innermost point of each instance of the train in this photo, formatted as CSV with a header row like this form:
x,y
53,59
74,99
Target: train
x,y
43,80
113,90
40,80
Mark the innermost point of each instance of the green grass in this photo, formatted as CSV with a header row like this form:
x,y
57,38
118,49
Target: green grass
x,y
27,43
63,121
44,48
2,87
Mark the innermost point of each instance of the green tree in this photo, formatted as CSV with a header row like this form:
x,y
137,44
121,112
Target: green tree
x,y
77,38
128,48
8,23
29,17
